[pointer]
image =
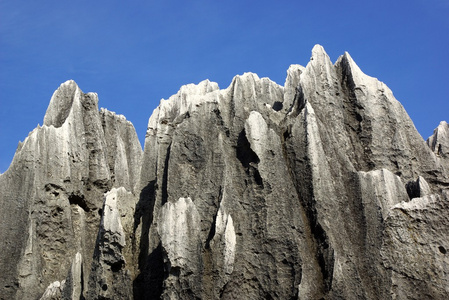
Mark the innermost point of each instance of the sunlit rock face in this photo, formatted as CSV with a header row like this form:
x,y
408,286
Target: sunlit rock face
x,y
439,140
318,189
52,194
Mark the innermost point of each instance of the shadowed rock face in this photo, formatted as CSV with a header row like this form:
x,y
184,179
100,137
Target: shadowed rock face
x,y
320,189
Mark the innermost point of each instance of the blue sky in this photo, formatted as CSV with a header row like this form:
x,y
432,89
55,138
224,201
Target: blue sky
x,y
133,53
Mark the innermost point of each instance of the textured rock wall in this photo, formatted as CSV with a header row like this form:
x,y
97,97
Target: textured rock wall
x,y
318,189
52,193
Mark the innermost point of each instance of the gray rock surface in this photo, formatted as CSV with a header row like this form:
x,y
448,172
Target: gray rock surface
x,y
110,277
439,140
318,189
415,248
53,191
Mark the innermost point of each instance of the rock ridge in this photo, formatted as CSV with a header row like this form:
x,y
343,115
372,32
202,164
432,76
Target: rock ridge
x,y
318,189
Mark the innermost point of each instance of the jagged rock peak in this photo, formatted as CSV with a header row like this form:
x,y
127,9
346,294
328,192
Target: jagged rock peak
x,y
357,76
64,100
204,87
313,190
250,84
106,112
319,55
55,185
249,77
439,140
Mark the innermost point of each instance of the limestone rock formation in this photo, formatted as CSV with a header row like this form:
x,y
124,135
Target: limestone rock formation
x,y
53,191
110,277
318,189
439,140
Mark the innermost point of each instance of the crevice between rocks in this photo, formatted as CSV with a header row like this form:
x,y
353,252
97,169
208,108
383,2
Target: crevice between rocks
x,y
151,265
248,158
165,177
301,174
79,200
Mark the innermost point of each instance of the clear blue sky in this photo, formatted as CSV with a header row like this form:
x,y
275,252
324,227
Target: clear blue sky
x,y
133,53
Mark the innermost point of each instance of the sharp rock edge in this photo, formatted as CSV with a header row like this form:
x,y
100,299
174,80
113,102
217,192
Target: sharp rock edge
x,y
318,189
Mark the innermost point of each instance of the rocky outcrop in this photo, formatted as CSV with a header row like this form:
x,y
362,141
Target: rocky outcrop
x,y
53,191
318,189
439,140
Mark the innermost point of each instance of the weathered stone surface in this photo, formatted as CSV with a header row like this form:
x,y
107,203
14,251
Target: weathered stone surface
x,y
439,140
179,231
53,190
73,285
308,185
415,248
53,291
318,189
109,276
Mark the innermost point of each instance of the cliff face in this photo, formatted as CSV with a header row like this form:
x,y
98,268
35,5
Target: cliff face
x,y
321,188
52,194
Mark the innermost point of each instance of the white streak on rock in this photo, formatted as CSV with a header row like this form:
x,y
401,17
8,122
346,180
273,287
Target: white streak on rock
x,y
417,203
53,291
76,276
383,187
111,216
230,241
179,230
257,131
224,240
439,140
